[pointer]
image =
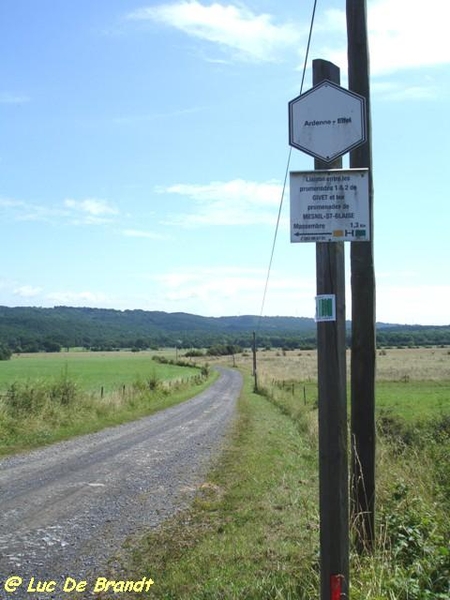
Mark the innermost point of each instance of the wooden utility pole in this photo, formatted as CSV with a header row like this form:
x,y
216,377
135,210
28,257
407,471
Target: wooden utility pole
x,y
363,305
333,467
255,373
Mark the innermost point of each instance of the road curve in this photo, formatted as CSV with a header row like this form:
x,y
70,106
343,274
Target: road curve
x,y
66,508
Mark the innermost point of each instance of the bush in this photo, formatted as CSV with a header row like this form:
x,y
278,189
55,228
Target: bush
x,y
5,352
23,399
51,346
224,350
30,398
419,549
64,391
194,353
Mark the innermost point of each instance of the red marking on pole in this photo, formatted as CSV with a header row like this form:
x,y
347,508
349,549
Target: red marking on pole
x,y
336,587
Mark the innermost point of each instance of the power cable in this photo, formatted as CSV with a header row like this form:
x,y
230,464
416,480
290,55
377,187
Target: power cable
x,y
285,175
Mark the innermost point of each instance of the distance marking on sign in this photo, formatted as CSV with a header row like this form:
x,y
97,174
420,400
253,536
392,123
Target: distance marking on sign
x,y
330,206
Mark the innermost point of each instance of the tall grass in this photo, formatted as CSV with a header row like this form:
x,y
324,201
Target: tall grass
x,y
412,557
40,411
411,560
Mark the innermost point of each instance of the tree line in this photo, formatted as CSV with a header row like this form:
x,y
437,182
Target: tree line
x,y
31,329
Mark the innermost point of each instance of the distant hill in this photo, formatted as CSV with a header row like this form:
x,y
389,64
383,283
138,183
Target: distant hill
x,y
31,329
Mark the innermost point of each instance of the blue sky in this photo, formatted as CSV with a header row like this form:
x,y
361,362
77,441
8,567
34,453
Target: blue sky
x,y
143,148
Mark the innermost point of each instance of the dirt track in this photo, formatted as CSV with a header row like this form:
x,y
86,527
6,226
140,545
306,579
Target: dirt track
x,y
65,509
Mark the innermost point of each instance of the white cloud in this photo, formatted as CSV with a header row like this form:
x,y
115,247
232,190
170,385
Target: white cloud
x,y
236,28
16,294
91,206
334,19
402,35
9,203
92,210
424,304
407,34
27,211
27,291
207,280
86,212
211,291
235,202
84,298
226,290
396,92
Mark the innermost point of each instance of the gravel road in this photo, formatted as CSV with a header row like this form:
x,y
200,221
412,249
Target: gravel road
x,y
65,509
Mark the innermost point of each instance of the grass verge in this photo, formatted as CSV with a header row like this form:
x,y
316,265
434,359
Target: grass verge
x,y
252,532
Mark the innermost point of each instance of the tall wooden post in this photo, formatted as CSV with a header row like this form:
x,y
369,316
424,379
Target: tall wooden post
x,y
255,373
333,468
363,305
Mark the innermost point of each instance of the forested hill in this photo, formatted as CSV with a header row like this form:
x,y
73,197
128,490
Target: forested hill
x,y
31,329
28,329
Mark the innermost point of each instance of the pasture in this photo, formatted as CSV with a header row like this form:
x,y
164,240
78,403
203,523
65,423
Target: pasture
x,y
394,364
90,370
49,397
412,383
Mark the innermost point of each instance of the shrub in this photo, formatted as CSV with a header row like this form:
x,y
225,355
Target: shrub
x,y
31,397
417,545
5,352
224,350
194,353
64,391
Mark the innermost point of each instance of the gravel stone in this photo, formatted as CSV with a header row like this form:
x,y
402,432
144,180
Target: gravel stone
x,y
67,508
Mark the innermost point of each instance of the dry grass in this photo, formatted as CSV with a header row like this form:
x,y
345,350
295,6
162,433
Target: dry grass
x,y
414,364
405,364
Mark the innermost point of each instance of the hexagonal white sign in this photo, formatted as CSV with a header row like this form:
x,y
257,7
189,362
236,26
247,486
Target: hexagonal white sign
x,y
327,121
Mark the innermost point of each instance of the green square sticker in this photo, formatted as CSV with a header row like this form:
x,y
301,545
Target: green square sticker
x,y
325,308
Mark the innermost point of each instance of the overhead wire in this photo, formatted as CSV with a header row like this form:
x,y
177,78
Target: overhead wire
x,y
272,253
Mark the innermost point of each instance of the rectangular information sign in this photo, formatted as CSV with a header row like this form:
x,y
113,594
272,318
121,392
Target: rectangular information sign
x,y
330,206
325,308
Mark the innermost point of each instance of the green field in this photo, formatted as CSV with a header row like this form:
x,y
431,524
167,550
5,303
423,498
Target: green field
x,y
414,401
49,397
90,370
413,384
